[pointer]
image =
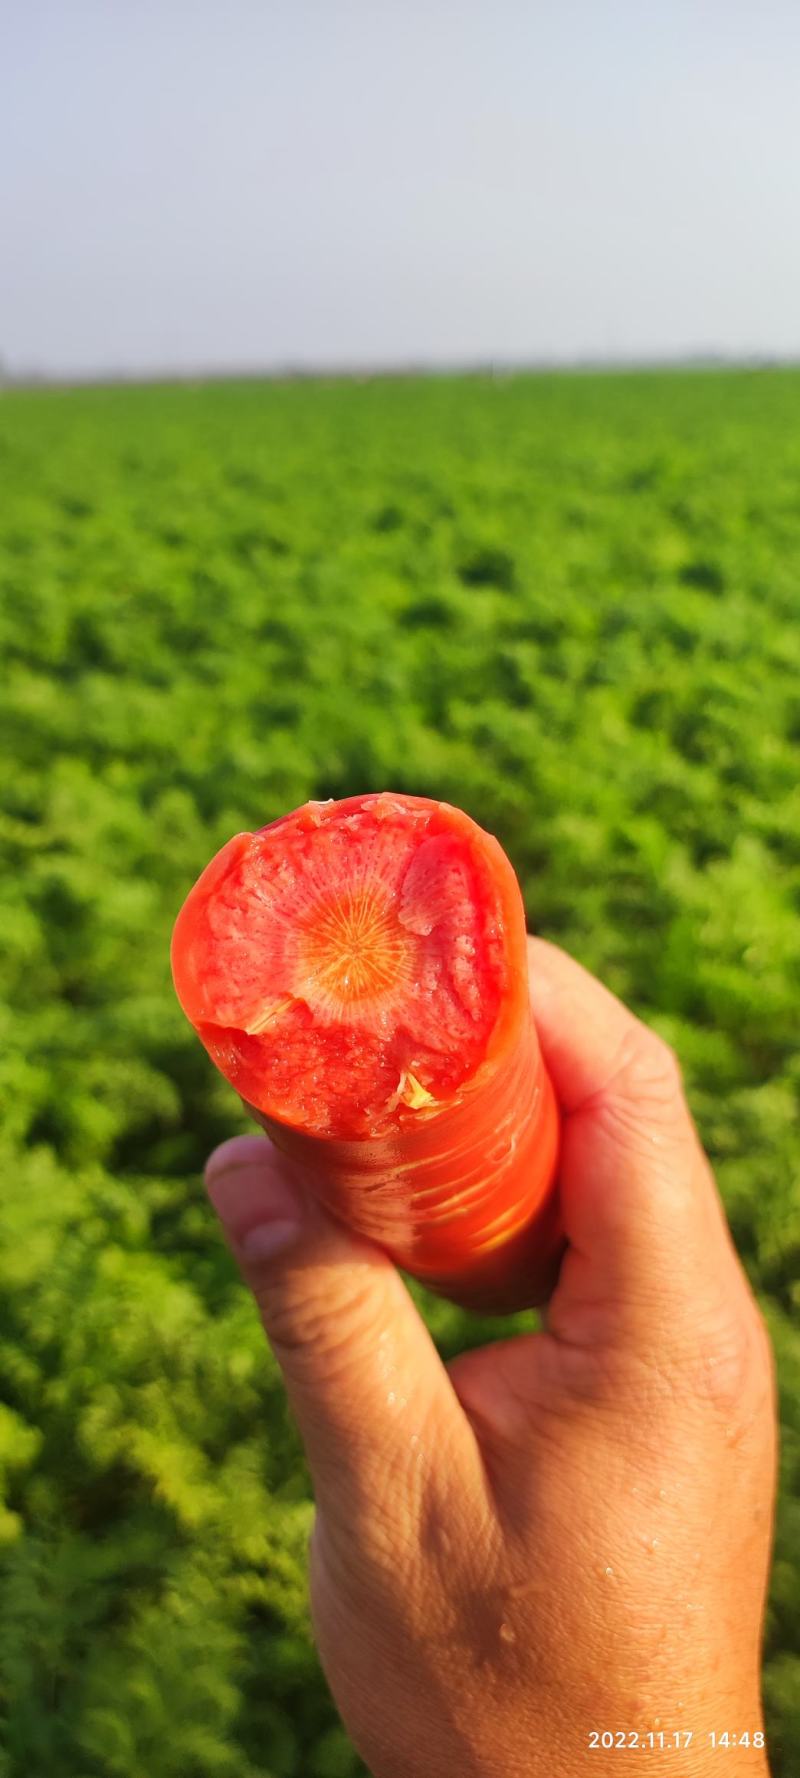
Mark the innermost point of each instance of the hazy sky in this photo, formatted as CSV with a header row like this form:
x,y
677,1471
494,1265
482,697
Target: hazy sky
x,y
263,182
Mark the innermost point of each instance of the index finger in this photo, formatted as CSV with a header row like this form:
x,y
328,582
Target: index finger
x,y
639,1201
582,1026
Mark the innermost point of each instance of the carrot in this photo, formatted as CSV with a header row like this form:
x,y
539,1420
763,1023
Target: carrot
x,y
358,971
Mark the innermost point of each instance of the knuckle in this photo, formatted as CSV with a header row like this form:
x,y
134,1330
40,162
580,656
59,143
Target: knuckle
x,y
645,1089
720,1363
320,1328
763,1340
726,1368
647,1063
763,1368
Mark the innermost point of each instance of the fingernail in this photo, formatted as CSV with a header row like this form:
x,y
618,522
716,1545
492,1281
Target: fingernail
x,y
268,1239
254,1200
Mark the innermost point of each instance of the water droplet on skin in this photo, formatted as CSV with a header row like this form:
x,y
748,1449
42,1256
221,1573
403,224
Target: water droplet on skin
x,y
507,1633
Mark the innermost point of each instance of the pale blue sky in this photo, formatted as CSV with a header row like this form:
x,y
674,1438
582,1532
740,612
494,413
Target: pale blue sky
x,y
189,183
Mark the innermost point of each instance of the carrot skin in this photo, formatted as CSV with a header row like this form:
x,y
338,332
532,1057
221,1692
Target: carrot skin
x,y
515,1272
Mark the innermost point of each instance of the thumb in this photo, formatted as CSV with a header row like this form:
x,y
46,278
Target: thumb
x,y
363,1377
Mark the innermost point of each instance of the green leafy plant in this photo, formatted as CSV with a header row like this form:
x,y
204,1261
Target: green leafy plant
x,y
567,604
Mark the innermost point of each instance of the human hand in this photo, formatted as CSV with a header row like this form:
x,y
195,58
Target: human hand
x,y
566,1533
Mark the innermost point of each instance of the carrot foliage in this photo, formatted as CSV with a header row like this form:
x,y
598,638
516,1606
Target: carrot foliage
x,y
567,604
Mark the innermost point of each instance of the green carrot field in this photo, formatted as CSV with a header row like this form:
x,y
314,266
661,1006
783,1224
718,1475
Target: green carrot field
x,y
568,603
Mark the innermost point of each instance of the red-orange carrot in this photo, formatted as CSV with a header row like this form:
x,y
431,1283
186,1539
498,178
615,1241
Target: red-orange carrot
x,y
358,971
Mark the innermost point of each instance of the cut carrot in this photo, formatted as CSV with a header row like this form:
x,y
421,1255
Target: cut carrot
x,y
358,971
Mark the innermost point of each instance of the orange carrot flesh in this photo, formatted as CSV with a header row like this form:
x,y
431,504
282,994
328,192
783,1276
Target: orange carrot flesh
x,y
358,972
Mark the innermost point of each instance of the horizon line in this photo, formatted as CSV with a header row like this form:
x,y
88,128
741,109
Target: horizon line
x,y
322,371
